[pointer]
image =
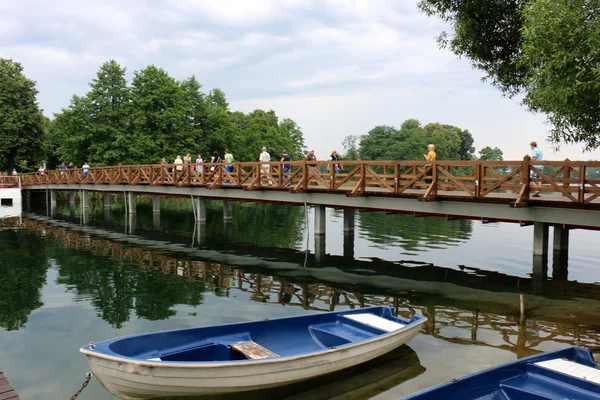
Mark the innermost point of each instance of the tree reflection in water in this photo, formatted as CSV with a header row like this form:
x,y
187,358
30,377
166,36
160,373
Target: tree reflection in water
x,y
150,282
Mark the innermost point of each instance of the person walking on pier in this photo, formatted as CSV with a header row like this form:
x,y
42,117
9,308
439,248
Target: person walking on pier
x,y
536,155
86,168
228,160
430,156
336,167
265,169
286,167
179,163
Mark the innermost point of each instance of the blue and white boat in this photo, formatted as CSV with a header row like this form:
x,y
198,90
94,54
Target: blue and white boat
x,y
567,374
246,356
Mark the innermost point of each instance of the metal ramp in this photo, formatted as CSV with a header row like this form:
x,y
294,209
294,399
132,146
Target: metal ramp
x,y
375,321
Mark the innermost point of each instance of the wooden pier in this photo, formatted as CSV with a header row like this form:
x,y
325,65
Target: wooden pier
x,y
6,391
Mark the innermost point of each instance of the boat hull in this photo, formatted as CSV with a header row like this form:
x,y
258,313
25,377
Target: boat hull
x,y
133,379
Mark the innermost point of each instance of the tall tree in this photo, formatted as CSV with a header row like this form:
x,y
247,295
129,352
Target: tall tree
x,y
491,154
549,50
21,123
157,112
350,147
109,108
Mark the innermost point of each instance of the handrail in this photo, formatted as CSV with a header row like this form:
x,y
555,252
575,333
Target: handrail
x,y
563,182
10,182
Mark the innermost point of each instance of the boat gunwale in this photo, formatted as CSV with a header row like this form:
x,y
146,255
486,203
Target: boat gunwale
x,y
237,363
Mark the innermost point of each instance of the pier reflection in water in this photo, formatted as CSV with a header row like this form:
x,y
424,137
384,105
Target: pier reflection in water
x,y
150,280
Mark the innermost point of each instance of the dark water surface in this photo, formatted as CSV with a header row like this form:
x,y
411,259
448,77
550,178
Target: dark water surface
x,y
64,283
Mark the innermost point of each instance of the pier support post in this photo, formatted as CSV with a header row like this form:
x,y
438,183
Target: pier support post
x,y
227,210
106,200
107,216
539,273
349,244
319,249
28,200
320,221
156,204
85,215
227,230
85,199
156,222
200,233
131,202
53,195
132,222
72,199
200,207
540,238
561,239
349,214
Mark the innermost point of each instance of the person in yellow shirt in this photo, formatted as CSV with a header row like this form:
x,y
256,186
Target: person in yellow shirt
x,y
430,156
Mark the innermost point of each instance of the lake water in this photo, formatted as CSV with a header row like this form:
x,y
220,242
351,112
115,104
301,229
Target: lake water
x,y
64,283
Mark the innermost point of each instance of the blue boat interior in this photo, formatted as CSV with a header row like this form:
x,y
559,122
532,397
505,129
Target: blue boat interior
x,y
284,337
565,374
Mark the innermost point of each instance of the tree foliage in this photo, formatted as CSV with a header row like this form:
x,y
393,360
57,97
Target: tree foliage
x,y
21,121
410,141
157,116
547,49
491,154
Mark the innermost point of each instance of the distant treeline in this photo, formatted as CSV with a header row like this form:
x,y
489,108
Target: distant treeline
x,y
410,141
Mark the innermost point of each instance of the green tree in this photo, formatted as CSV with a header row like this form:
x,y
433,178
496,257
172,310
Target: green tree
x,y
549,50
490,154
289,129
108,110
561,53
21,122
157,118
350,147
411,140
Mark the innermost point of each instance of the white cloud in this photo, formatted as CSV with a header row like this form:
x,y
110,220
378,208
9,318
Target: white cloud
x,y
337,67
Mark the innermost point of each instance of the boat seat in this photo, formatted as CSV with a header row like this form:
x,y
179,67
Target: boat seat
x,y
253,350
572,369
375,321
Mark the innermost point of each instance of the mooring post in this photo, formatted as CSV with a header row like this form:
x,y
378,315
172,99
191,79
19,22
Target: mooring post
x,y
540,238
320,221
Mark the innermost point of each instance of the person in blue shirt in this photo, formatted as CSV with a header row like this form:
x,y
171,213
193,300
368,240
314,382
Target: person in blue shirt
x,y
536,155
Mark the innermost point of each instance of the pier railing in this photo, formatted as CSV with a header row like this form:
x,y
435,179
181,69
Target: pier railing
x,y
10,182
573,182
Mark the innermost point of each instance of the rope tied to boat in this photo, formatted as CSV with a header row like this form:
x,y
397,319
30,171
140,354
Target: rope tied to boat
x,y
86,382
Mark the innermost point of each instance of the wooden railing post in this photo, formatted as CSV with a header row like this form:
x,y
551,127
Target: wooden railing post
x,y
523,197
363,177
305,175
396,177
581,191
566,175
478,179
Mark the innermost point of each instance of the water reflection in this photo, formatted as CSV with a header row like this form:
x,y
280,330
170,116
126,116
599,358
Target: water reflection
x,y
360,382
155,280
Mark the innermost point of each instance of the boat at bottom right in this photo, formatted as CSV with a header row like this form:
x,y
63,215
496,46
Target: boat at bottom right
x,y
570,373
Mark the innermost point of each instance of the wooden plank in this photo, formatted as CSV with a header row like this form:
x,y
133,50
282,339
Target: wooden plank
x,y
6,390
253,350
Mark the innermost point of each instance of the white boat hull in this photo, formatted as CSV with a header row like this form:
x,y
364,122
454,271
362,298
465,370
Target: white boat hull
x,y
131,380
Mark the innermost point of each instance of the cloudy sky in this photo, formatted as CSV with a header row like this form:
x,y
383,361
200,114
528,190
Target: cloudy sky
x,y
337,67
